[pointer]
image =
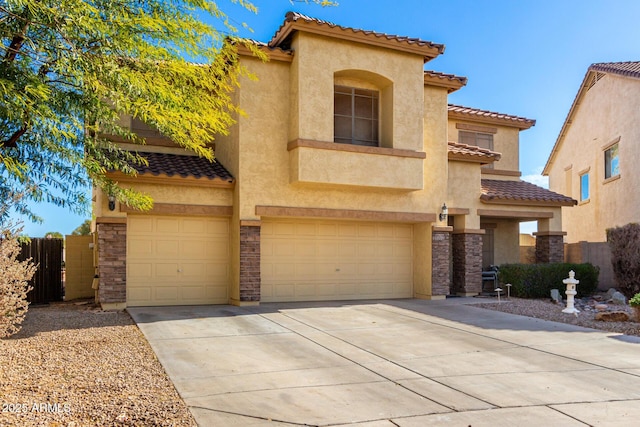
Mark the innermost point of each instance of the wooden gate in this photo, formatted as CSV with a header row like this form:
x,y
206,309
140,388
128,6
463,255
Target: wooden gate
x,y
47,281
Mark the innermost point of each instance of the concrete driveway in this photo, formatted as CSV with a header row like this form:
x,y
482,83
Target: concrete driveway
x,y
392,363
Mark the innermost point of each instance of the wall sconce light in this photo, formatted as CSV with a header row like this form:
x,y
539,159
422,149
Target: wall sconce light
x,y
443,212
112,202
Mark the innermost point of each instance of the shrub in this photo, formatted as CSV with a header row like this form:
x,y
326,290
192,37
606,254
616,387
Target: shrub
x,y
537,280
14,285
624,243
635,301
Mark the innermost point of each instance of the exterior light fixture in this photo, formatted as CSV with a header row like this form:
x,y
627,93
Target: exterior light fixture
x,y
112,202
444,212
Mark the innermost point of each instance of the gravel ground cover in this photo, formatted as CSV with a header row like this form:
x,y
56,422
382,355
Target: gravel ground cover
x,y
75,365
548,310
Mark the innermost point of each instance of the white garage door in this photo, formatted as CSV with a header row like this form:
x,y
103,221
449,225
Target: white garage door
x,y
174,260
315,260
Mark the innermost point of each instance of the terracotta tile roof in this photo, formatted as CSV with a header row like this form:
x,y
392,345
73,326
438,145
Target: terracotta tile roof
x,y
295,21
471,153
450,81
475,114
183,166
629,68
498,191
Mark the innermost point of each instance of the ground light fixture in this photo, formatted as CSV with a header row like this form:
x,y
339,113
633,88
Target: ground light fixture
x,y
444,212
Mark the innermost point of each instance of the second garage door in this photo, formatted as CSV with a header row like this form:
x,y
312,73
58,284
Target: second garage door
x,y
315,260
174,260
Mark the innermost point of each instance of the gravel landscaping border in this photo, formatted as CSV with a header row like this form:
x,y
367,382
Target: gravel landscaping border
x,y
548,310
75,365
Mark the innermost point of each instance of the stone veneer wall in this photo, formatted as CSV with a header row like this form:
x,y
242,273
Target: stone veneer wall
x,y
112,262
467,263
249,263
440,254
549,248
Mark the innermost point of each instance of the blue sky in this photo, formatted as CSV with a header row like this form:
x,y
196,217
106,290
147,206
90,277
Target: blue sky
x,y
522,57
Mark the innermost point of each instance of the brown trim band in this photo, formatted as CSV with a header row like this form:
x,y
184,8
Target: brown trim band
x,y
250,223
323,145
176,209
458,211
171,180
442,229
284,211
515,202
469,231
111,220
497,213
549,233
502,172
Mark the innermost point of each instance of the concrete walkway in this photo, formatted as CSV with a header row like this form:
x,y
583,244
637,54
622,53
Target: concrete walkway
x,y
392,363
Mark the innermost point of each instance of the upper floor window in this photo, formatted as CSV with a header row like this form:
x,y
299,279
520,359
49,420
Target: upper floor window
x,y
356,116
482,140
584,186
611,167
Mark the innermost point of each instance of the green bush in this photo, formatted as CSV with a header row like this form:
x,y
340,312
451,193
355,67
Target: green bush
x,y
537,280
635,301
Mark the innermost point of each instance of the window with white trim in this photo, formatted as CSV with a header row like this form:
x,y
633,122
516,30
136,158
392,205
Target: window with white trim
x,y
611,162
584,186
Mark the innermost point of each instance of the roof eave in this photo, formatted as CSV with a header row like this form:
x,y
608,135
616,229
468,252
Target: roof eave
x,y
522,125
485,198
428,51
568,120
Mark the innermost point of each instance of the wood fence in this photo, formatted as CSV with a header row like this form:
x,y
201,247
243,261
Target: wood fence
x,y
47,281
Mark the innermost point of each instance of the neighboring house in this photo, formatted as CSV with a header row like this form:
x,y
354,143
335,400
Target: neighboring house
x,y
594,156
331,187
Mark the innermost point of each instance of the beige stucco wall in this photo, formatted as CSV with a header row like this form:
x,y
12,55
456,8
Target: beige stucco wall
x,y
264,166
506,141
506,241
318,60
609,110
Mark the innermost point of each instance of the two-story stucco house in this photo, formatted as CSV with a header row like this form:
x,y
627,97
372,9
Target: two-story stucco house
x,y
332,186
594,157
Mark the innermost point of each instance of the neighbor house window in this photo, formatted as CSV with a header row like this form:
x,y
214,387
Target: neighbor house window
x,y
356,116
482,140
584,186
611,168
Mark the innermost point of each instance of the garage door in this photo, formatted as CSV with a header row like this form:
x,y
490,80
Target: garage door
x,y
174,260
313,260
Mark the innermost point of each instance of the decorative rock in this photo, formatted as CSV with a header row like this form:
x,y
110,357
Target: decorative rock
x,y
618,298
601,307
612,316
555,296
610,292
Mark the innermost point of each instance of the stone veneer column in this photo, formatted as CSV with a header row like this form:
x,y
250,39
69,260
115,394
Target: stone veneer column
x,y
249,261
440,259
549,246
467,262
112,263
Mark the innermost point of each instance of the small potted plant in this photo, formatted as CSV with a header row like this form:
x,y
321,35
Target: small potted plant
x,y
635,304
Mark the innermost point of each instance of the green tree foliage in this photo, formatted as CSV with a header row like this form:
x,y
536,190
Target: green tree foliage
x,y
83,229
69,69
53,235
